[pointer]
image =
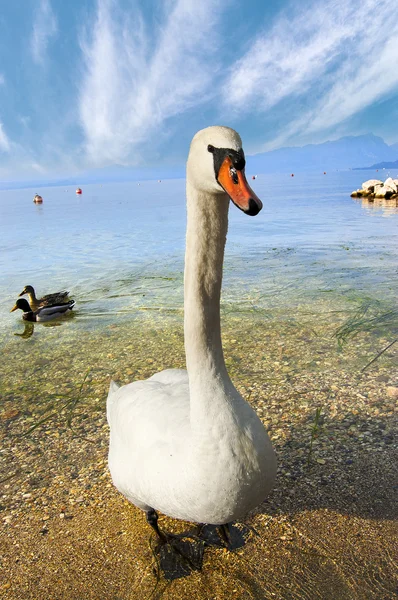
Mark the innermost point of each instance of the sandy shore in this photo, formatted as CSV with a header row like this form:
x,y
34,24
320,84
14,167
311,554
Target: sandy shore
x,y
327,531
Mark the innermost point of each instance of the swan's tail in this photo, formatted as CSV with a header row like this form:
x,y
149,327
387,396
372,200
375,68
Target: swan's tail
x,y
113,388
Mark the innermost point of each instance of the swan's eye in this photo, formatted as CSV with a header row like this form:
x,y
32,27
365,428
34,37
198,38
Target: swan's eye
x,y
210,148
234,174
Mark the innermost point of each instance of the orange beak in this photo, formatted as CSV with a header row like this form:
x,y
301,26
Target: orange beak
x,y
234,182
14,308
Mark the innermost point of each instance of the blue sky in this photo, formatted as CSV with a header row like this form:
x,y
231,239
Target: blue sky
x,y
87,83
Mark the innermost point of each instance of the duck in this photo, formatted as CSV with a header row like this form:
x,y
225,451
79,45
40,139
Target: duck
x,y
184,442
47,300
43,314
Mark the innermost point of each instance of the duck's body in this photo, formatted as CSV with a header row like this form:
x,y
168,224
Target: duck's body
x,y
185,442
47,300
43,314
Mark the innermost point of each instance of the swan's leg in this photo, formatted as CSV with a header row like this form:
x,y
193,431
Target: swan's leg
x,y
152,519
178,557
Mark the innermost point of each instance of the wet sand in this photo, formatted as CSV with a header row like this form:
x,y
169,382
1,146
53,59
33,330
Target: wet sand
x,y
327,530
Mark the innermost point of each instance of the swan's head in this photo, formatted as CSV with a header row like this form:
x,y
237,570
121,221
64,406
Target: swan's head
x,y
216,164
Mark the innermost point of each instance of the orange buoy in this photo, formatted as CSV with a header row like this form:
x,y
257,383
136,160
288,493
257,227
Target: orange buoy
x,y
78,191
38,199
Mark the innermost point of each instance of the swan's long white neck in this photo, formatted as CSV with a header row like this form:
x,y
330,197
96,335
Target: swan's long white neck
x,y
206,236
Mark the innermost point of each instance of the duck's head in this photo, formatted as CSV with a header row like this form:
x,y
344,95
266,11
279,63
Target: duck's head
x,y
216,164
22,304
27,290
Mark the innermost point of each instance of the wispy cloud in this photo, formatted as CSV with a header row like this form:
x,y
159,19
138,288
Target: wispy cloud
x,y
4,142
44,28
334,58
135,79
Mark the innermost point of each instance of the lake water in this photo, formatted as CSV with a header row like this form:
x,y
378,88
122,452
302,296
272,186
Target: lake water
x,y
309,319
313,257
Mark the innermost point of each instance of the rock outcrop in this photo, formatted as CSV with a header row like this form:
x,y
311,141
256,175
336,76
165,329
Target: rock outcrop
x,y
374,188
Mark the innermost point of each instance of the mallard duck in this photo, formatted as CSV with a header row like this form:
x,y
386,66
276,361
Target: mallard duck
x,y
185,442
45,313
48,300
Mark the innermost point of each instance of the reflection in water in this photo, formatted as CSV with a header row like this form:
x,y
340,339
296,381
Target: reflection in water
x,y
387,207
30,327
28,331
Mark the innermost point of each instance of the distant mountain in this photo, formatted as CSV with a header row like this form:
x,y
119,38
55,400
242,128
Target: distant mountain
x,y
112,174
344,153
382,165
121,173
395,148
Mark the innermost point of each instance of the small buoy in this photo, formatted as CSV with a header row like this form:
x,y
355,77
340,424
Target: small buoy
x,y
159,181
324,172
78,191
38,199
292,175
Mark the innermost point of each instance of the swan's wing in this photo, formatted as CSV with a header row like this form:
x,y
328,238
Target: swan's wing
x,y
149,438
171,376
113,388
167,377
146,412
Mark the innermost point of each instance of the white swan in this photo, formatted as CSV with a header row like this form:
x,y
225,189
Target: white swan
x,y
185,442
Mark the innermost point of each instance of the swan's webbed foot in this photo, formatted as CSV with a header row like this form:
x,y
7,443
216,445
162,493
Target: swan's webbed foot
x,y
179,555
230,535
225,535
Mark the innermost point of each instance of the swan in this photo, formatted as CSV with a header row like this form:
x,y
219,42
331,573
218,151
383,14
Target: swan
x,y
185,442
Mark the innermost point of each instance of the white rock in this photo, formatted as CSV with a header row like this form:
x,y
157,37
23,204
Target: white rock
x,y
371,183
384,192
391,184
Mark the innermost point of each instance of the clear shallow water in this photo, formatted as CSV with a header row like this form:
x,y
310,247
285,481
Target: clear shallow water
x,y
119,248
313,258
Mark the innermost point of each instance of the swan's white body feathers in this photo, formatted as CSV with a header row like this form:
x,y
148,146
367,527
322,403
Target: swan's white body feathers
x,y
184,476
188,444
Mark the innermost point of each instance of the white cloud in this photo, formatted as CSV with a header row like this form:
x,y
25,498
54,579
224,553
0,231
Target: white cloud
x,y
334,58
135,79
4,142
44,28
